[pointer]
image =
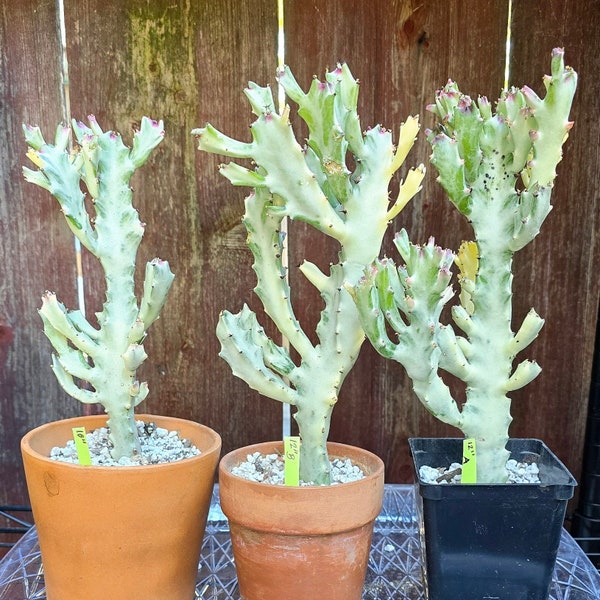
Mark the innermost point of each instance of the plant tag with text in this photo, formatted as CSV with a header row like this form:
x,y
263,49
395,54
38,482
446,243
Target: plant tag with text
x,y
81,445
291,460
469,462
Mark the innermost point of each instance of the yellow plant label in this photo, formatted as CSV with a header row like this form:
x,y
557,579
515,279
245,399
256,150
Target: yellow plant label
x,y
291,460
469,462
81,445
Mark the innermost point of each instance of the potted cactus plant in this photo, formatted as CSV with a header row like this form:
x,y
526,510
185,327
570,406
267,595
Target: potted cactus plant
x,y
118,532
497,169
350,204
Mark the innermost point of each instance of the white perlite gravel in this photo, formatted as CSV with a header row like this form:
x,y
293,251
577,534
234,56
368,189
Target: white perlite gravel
x,y
518,472
268,468
158,446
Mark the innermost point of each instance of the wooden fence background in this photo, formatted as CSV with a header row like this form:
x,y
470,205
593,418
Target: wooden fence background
x,y
187,62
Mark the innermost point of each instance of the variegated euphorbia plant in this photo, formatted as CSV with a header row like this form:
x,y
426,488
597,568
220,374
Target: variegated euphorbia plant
x,y
498,169
104,357
346,200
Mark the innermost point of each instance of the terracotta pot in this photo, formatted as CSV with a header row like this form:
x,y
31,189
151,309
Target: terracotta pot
x,y
130,533
295,543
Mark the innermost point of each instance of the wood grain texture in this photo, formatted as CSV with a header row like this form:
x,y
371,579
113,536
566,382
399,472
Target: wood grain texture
x,y
187,62
558,272
184,62
401,51
33,240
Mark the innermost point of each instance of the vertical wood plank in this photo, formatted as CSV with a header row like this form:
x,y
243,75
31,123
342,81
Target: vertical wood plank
x,y
185,62
401,51
558,272
32,237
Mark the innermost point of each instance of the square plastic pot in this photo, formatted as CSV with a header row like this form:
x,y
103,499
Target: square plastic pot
x,y
491,541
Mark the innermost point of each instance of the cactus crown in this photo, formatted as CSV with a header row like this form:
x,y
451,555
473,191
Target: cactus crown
x,y
498,170
105,357
313,184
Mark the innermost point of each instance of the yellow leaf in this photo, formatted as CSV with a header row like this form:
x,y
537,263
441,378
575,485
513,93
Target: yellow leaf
x,y
467,260
34,157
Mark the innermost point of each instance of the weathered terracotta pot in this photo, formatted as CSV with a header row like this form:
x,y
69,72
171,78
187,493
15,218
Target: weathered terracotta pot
x,y
301,542
124,533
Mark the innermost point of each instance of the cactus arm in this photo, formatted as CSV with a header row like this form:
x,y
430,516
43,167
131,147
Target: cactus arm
x,y
462,319
239,175
157,283
525,373
283,169
60,174
145,139
56,318
35,177
369,294
314,275
66,381
417,292
212,140
105,166
138,392
532,208
313,184
253,357
451,172
552,119
134,356
82,324
455,352
467,260
266,242
74,362
408,132
408,189
529,330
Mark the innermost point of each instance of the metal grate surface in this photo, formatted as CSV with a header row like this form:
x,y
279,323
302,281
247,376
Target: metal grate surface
x,y
394,567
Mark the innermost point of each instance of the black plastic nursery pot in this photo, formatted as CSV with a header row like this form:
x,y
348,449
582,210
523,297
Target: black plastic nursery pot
x,y
491,541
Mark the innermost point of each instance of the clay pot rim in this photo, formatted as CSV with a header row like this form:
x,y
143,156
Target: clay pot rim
x,y
214,447
335,450
292,510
